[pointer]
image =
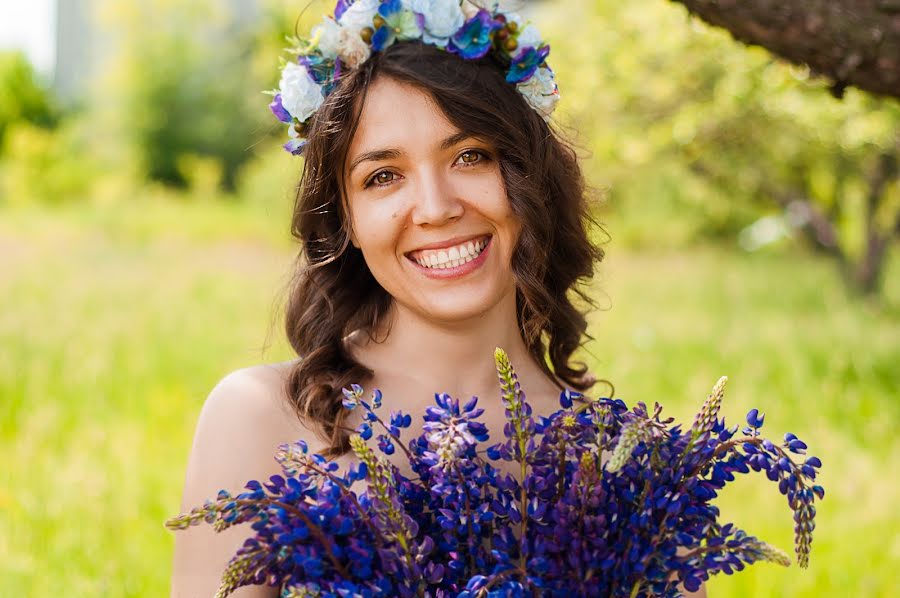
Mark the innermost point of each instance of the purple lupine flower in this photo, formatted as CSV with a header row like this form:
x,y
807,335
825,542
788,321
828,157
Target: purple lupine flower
x,y
525,63
575,525
474,38
755,418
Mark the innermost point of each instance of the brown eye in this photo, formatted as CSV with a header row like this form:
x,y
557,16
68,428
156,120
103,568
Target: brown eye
x,y
381,178
470,156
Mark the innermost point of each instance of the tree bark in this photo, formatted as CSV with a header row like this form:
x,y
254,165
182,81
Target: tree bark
x,y
852,42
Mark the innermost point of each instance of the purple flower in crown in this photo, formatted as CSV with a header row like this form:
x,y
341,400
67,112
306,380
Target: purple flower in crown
x,y
319,68
295,146
396,23
278,110
473,40
526,63
341,7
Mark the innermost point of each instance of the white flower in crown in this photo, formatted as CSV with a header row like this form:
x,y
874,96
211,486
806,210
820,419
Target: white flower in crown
x,y
442,19
353,50
359,15
529,37
328,34
300,95
469,9
541,91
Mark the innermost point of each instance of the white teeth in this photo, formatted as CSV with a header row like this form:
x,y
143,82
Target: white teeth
x,y
452,257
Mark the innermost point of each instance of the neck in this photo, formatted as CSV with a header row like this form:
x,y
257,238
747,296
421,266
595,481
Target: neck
x,y
453,357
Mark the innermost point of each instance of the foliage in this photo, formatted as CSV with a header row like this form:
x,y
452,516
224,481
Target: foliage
x,y
184,85
580,521
49,166
22,97
673,108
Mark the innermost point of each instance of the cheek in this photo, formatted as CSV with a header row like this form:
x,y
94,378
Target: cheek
x,y
500,210
376,229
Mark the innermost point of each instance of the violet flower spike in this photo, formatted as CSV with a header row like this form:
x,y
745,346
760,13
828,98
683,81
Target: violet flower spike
x,y
638,525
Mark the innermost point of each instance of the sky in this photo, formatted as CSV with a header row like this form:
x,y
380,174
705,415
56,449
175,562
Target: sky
x,y
29,25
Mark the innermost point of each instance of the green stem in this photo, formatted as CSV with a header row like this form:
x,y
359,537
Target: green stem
x,y
635,589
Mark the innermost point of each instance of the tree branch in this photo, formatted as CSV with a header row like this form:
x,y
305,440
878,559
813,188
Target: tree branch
x,y
852,42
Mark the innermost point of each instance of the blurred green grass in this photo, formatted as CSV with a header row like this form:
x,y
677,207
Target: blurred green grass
x,y
116,321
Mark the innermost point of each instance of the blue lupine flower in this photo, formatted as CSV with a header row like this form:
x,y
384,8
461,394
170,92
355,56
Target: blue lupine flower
x,y
399,24
474,39
755,419
526,63
457,528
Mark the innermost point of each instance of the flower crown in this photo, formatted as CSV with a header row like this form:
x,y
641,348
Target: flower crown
x,y
361,27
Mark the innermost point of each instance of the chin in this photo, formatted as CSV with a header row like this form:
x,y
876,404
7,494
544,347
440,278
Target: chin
x,y
463,305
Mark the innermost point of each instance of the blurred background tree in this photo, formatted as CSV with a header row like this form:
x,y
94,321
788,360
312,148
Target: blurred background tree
x,y
23,98
184,86
723,135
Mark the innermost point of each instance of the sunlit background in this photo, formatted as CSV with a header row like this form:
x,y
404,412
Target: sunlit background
x,y
144,249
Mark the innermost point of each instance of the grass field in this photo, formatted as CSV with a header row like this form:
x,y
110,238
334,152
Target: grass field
x,y
115,323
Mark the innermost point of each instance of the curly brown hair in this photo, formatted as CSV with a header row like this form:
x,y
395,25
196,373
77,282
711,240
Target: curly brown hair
x,y
333,293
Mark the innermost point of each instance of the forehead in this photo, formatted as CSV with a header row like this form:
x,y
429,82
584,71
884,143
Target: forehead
x,y
398,114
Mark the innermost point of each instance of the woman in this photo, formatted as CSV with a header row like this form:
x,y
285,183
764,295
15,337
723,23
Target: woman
x,y
439,217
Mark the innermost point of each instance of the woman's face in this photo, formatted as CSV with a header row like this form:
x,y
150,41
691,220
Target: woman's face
x,y
428,207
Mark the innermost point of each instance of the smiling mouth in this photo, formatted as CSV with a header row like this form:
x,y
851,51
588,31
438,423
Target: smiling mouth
x,y
450,257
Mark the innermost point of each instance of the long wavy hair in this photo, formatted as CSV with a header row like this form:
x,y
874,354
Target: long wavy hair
x,y
333,294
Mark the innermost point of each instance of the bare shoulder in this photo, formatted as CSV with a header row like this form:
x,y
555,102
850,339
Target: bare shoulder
x,y
242,422
256,391
246,413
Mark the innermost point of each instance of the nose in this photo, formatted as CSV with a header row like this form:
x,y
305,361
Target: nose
x,y
436,202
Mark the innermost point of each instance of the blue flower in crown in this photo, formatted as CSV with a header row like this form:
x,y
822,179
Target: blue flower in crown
x,y
526,63
397,23
474,40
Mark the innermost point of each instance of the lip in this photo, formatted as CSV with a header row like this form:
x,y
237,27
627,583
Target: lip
x,y
448,243
457,271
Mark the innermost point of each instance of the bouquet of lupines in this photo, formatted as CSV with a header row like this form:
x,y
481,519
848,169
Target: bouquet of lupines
x,y
614,502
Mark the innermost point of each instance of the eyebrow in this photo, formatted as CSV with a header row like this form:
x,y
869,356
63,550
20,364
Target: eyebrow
x,y
394,153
